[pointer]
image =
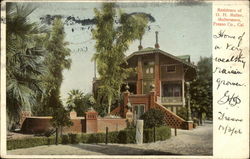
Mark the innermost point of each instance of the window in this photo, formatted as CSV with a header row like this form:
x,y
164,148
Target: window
x,y
150,70
171,68
172,90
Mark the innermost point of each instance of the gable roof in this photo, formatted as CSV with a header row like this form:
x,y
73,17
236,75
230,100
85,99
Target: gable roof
x,y
150,50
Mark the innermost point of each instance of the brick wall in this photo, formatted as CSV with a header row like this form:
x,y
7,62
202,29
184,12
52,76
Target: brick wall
x,y
79,125
34,125
112,124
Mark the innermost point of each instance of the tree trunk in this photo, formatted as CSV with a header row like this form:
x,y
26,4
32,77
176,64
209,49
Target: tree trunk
x,y
109,104
200,118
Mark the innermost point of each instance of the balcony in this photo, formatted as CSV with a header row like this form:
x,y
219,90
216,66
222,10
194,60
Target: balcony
x,y
170,100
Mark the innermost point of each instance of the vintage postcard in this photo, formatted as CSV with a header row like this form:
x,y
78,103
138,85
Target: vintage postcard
x,y
124,79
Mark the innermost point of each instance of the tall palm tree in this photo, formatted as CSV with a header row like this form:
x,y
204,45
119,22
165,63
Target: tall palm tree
x,y
24,60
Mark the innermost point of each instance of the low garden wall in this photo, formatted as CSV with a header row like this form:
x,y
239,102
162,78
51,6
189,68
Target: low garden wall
x,y
37,125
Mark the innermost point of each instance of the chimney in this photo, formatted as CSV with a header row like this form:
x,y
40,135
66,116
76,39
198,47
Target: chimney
x,y
140,46
156,38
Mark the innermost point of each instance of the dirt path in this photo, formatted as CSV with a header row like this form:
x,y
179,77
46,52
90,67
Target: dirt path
x,y
195,142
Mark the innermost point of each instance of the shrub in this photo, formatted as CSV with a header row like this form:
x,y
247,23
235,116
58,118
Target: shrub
x,y
73,138
65,139
30,142
113,137
126,136
163,133
182,112
148,135
153,118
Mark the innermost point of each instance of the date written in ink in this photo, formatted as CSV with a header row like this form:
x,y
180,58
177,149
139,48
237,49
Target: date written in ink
x,y
232,99
229,130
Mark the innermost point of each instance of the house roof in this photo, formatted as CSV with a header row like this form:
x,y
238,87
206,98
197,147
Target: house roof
x,y
184,57
150,50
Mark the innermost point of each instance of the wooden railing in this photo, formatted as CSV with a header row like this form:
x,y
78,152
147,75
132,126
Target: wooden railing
x,y
171,100
171,119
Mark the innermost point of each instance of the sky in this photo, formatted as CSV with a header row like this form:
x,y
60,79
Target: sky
x,y
183,30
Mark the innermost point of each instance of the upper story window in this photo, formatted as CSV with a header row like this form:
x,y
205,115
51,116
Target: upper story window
x,y
149,67
171,68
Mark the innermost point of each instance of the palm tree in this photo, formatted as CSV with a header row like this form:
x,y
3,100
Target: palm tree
x,y
24,60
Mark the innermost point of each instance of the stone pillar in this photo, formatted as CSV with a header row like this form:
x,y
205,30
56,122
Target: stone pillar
x,y
157,75
139,131
73,115
152,97
91,121
139,76
129,117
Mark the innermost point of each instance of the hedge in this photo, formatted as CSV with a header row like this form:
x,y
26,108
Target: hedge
x,y
124,136
31,142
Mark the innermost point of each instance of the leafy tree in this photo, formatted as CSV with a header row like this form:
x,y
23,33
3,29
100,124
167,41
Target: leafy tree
x,y
112,41
201,89
183,113
56,60
79,102
24,64
60,118
153,118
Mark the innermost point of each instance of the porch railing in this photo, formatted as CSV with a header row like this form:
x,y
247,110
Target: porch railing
x,y
171,100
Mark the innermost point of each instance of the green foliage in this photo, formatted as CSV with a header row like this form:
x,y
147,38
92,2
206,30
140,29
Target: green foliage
x,y
112,42
65,139
60,117
153,118
57,59
201,89
30,142
74,138
79,102
124,136
182,112
161,133
25,49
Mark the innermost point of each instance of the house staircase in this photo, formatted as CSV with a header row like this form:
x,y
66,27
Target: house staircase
x,y
171,119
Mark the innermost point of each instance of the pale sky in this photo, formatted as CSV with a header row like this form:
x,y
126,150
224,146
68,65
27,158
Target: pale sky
x,y
183,30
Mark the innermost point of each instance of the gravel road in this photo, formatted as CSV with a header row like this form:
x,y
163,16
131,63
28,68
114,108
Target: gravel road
x,y
187,142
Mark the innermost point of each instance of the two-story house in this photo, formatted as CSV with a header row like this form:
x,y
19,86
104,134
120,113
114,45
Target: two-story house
x,y
164,72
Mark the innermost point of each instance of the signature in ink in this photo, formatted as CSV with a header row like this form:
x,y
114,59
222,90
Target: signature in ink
x,y
232,100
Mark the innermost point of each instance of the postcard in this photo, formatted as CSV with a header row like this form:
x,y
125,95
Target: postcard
x,y
124,79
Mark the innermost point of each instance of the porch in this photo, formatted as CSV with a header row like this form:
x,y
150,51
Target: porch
x,y
172,93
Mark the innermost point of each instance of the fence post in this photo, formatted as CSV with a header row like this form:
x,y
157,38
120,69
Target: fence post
x,y
56,135
154,133
175,131
107,131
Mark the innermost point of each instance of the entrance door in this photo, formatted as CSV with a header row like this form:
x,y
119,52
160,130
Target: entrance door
x,y
139,110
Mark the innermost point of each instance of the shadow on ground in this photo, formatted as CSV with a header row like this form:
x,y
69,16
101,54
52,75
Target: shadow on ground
x,y
119,150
